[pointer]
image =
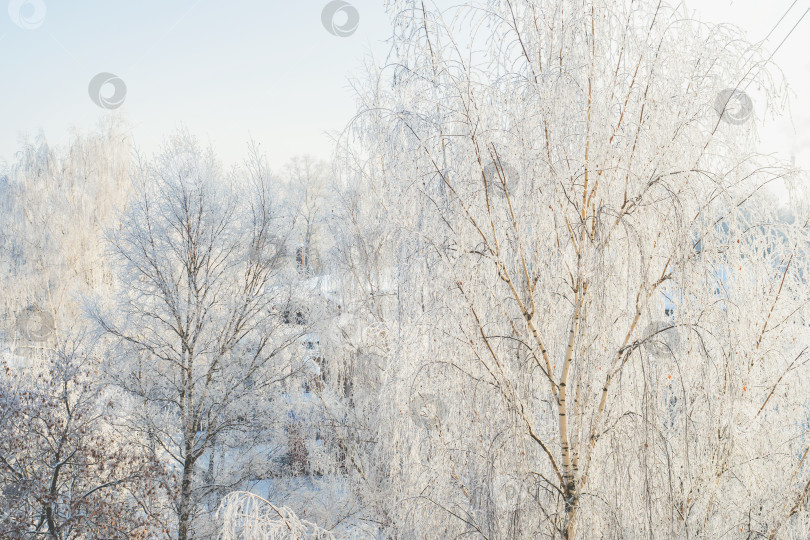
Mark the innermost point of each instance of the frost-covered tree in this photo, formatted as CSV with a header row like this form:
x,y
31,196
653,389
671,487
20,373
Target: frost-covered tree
x,y
65,471
54,204
246,516
596,324
308,189
200,344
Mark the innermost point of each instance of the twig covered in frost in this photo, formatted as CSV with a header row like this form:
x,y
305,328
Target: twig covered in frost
x,y
246,516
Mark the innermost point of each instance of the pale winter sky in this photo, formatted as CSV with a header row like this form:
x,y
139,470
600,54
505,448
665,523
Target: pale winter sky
x,y
229,70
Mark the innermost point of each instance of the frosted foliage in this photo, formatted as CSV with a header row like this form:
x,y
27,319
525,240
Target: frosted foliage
x,y
604,333
246,516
